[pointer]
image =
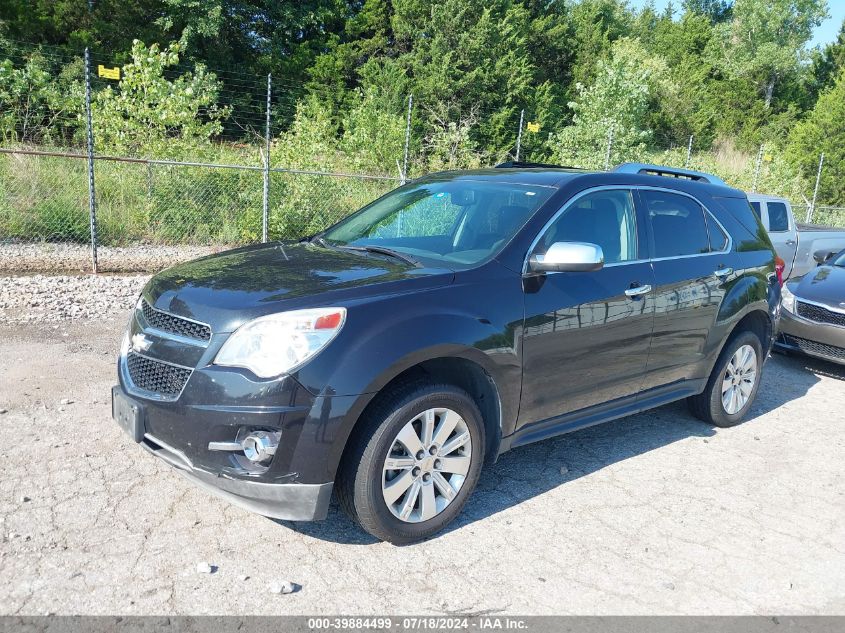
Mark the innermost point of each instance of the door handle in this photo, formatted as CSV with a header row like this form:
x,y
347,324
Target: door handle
x,y
723,272
791,242
638,291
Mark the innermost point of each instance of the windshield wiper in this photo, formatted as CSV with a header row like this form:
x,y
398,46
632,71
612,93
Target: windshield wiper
x,y
381,250
316,239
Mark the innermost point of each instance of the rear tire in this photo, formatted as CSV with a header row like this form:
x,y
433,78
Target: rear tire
x,y
430,481
733,384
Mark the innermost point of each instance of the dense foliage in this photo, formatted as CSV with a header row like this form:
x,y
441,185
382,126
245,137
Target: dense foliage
x,y
732,75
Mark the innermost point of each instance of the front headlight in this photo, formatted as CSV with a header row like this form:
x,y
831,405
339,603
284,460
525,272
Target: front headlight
x,y
787,299
279,343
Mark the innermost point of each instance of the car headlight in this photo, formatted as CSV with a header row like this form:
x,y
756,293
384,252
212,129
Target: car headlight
x,y
279,343
787,299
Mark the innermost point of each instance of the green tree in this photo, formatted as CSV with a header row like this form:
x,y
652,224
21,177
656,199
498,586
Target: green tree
x,y
596,24
151,114
374,137
823,131
618,102
765,41
714,10
35,106
828,62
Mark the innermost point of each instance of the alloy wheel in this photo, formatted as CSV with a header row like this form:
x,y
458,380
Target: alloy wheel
x,y
426,465
739,379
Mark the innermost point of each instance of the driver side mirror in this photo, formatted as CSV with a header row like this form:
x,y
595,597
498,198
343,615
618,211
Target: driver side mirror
x,y
568,257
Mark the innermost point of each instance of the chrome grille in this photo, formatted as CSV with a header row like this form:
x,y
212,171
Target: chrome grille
x,y
155,376
814,347
820,314
175,325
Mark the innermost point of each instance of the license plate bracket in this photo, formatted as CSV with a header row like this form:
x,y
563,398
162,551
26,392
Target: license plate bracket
x,y
128,414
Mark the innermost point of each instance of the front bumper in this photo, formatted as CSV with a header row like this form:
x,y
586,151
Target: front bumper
x,y
819,340
295,486
291,502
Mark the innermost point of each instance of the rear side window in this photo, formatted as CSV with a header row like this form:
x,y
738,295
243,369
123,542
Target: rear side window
x,y
758,211
677,224
778,216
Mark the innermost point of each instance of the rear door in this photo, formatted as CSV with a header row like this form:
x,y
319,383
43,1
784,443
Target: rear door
x,y
693,263
587,334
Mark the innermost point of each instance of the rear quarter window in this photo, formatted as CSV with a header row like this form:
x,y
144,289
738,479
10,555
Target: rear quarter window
x,y
751,235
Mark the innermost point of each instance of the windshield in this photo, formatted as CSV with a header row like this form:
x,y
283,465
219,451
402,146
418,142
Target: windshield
x,y
458,223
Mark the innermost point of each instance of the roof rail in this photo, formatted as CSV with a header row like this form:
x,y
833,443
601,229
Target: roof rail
x,y
668,172
523,165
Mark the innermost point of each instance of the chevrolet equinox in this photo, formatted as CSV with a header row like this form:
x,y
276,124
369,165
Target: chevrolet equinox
x,y
459,316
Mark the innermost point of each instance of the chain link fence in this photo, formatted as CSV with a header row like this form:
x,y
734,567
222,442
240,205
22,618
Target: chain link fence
x,y
151,214
66,206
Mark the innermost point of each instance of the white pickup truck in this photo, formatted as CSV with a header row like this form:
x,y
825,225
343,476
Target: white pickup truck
x,y
796,244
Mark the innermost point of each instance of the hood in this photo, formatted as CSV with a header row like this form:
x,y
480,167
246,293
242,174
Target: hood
x,y
230,288
825,284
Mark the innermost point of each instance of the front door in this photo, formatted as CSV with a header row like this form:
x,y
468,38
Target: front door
x,y
587,334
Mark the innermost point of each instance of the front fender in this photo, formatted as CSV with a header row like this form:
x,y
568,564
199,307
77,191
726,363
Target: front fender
x,y
384,338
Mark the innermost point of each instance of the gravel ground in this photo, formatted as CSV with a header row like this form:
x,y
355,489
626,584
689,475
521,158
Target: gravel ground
x,y
656,513
60,257
42,298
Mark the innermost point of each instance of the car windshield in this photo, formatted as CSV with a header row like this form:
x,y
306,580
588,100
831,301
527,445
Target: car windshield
x,y
459,223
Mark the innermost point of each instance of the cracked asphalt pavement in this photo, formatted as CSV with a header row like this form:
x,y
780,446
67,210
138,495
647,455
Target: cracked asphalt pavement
x,y
656,513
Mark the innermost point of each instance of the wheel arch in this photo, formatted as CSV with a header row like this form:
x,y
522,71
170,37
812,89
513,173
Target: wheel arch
x,y
461,371
754,319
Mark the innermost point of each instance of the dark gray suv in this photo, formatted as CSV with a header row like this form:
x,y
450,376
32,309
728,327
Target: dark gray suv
x,y
461,315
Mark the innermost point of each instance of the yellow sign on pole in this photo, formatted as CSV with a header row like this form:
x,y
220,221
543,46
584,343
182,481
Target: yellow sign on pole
x,y
108,73
533,127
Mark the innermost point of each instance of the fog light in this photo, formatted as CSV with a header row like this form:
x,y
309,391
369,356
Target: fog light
x,y
260,446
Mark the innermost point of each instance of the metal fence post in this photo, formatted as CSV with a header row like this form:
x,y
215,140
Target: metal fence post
x,y
519,134
609,149
689,151
92,198
265,201
812,210
404,174
757,169
149,180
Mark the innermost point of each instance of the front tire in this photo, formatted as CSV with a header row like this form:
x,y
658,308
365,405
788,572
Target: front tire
x,y
733,385
413,463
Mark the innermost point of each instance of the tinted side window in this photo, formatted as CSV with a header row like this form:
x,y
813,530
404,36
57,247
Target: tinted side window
x,y
778,217
757,207
718,239
677,224
743,212
606,218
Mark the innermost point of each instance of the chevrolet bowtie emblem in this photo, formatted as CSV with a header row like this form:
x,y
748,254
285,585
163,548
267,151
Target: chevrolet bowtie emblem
x,y
141,343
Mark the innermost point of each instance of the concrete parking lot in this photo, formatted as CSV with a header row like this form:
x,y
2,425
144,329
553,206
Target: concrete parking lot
x,y
656,513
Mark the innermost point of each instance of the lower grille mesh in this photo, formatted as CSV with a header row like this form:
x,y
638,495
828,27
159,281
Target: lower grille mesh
x,y
814,347
156,377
